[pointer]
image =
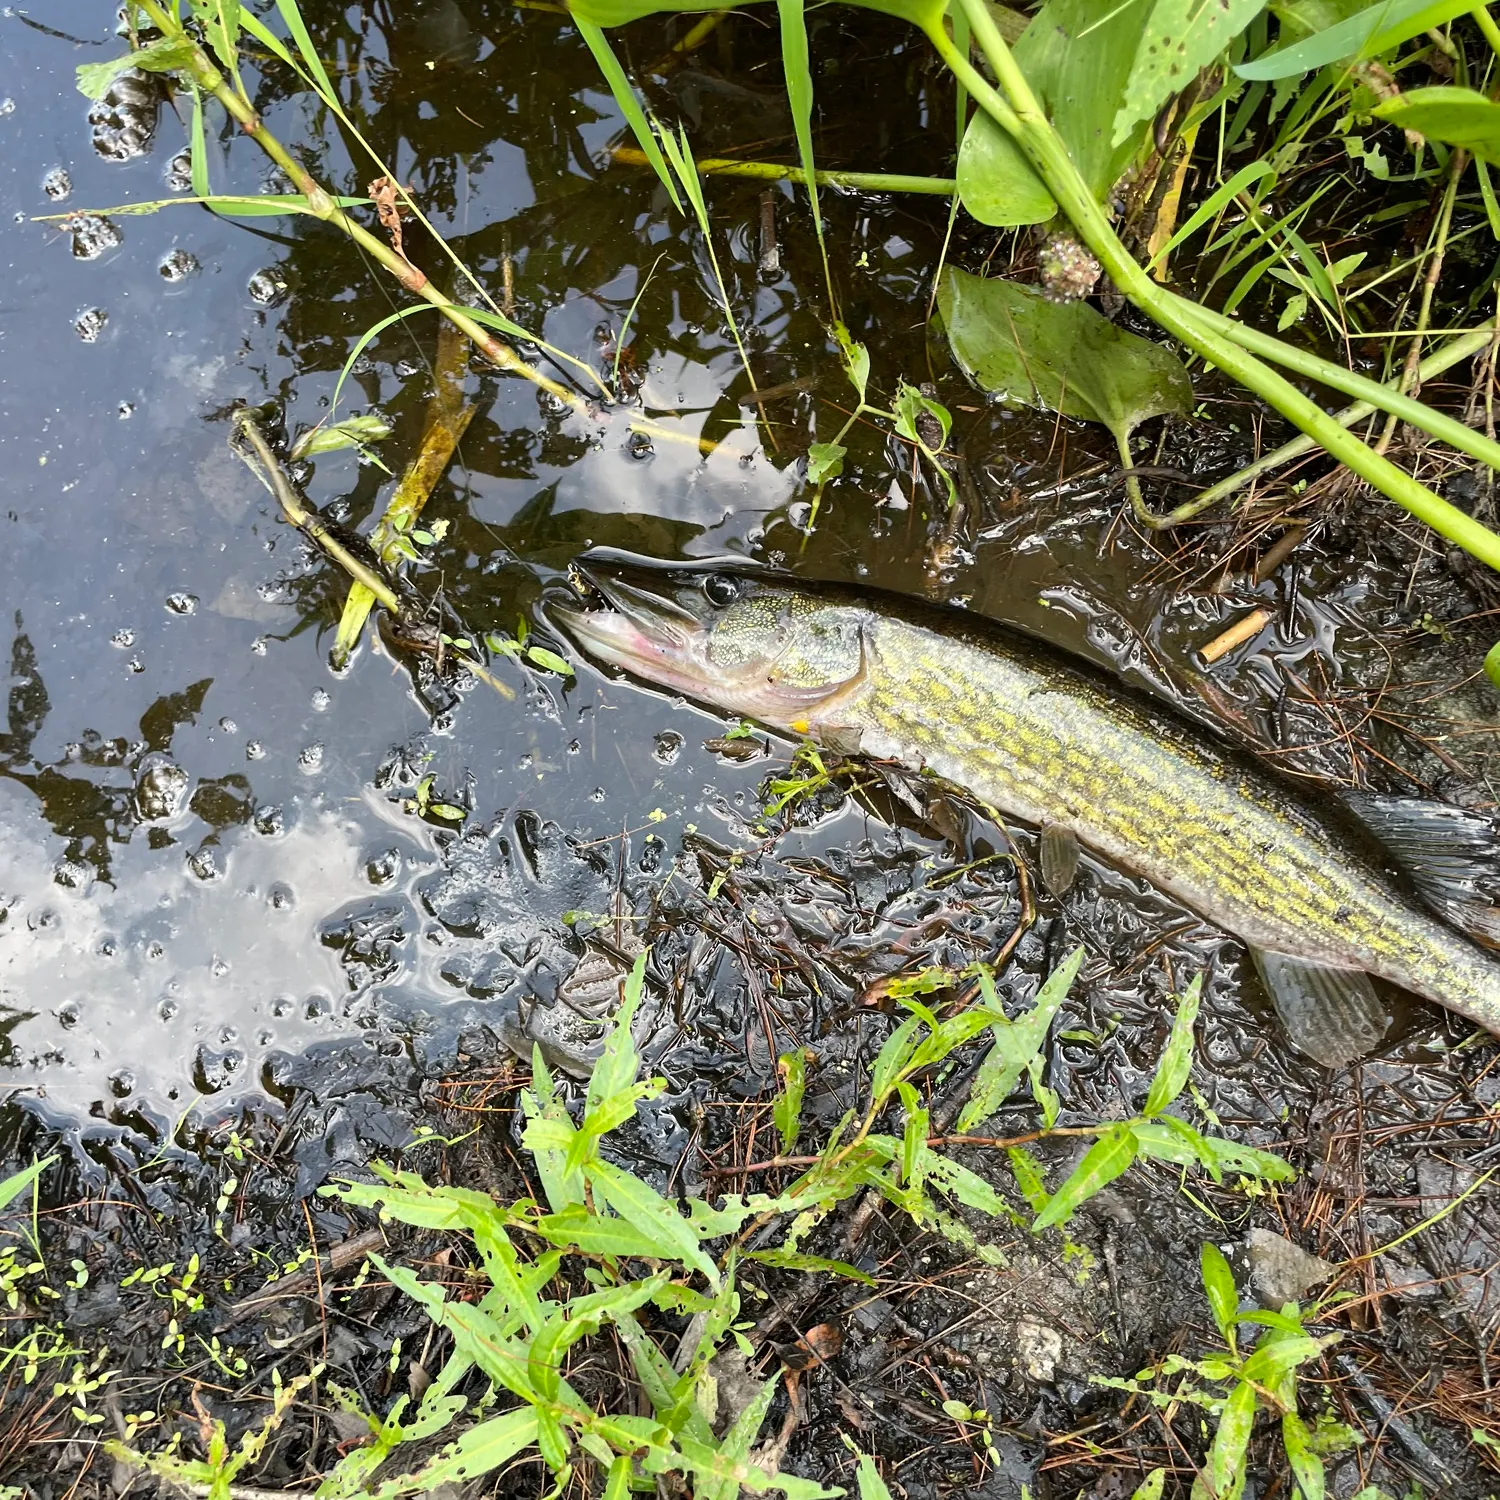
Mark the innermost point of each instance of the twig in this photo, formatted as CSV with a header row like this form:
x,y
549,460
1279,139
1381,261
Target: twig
x,y
1241,631
766,171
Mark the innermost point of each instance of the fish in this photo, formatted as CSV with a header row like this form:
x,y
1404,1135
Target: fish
x,y
1327,898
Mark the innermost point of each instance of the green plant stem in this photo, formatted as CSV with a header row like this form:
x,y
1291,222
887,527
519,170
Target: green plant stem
x,y
1486,23
1021,116
320,204
1383,397
1463,347
304,520
767,171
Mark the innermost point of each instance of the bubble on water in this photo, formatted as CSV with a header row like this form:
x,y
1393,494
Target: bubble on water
x,y
155,952
382,868
639,446
7,106
266,286
73,874
57,184
177,265
281,897
406,368
67,1015
161,788
167,1010
204,864
317,1007
269,821
228,725
108,947
136,665
310,757
182,604
122,1083
551,404
123,639
124,121
179,173
258,645
89,324
283,1005
218,968
125,410
597,795
93,236
321,698
42,921
668,746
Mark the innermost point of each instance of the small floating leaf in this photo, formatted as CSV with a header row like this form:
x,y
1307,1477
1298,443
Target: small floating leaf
x,y
550,660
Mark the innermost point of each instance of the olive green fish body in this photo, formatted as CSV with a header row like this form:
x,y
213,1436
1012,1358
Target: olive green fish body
x,y
1209,826
1048,739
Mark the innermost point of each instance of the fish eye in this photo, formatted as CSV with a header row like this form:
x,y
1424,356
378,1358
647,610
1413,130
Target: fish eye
x,y
721,590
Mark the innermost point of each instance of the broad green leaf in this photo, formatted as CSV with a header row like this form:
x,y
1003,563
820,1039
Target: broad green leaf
x,y
18,1182
550,660
482,1449
1278,1353
619,1062
220,20
1062,357
1223,1475
825,461
893,1058
786,1113
1177,1060
871,1485
856,360
161,56
1457,117
1077,56
652,1215
1181,37
1105,1160
1249,1161
1016,1042
955,1179
1218,1284
1151,1487
617,1486
1306,1466
1376,29
1028,1174
577,1228
796,1260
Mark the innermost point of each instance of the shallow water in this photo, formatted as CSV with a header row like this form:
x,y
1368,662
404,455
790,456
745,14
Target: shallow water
x,y
207,864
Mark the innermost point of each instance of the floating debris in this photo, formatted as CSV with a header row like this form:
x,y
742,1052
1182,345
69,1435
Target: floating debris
x,y
267,287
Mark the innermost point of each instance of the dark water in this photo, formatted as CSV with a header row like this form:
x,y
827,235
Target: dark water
x,y
206,864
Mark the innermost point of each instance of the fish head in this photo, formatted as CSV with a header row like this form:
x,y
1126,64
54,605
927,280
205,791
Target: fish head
x,y
746,640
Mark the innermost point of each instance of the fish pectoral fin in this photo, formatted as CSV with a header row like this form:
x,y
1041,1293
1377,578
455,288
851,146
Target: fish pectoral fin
x,y
1451,856
1332,1015
1057,853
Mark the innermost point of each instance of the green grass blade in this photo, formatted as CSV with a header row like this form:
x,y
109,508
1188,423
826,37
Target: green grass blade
x,y
1213,205
630,105
297,28
797,66
198,148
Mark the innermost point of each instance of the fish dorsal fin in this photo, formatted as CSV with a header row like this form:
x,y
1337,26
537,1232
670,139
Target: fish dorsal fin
x,y
1451,856
1333,1016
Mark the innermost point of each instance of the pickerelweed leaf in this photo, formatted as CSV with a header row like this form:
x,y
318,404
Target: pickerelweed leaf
x,y
1457,117
1181,37
1062,357
1077,56
825,461
1368,33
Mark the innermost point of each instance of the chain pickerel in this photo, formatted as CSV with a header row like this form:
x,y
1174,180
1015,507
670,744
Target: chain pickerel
x,y
1402,890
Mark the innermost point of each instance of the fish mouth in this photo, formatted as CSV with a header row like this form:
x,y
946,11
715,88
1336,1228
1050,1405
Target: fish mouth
x,y
630,612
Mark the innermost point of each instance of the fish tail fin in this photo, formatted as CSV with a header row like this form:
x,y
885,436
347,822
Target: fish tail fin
x,y
1450,855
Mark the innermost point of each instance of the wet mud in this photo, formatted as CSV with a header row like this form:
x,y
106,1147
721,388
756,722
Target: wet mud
x,y
237,960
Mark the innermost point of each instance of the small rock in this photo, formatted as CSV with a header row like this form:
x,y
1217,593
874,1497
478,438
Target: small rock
x,y
1038,1348
1281,1271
